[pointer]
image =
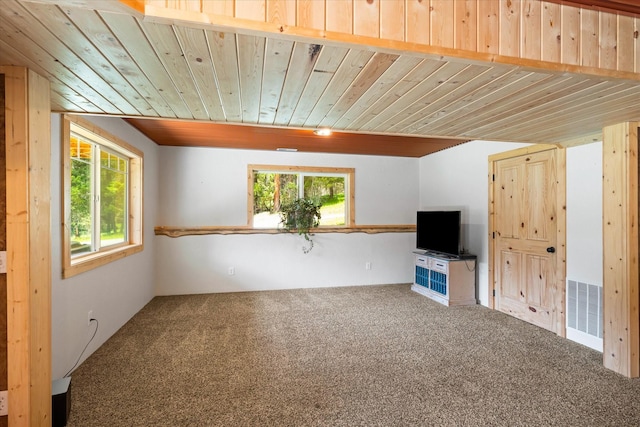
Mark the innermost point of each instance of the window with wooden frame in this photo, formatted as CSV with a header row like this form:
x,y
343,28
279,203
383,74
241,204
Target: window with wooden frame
x,y
271,186
102,197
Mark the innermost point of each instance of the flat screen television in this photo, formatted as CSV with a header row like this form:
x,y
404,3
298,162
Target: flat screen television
x,y
439,231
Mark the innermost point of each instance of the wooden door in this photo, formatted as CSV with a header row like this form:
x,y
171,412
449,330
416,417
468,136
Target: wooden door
x,y
528,256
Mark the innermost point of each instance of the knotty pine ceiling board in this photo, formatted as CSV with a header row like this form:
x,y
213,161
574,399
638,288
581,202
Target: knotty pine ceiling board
x,y
104,59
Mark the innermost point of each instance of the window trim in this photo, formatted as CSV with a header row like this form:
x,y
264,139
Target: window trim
x,y
73,266
351,185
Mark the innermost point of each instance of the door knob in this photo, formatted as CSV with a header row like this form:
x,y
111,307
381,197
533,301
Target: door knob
x,y
551,249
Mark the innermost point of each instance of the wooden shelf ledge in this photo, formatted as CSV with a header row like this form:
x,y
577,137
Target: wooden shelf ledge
x,y
203,230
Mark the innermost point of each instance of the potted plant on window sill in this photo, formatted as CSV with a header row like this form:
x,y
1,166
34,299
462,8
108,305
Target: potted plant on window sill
x,y
301,215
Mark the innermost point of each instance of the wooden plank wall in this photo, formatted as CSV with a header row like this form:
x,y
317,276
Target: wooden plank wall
x,y
28,157
621,298
527,29
4,420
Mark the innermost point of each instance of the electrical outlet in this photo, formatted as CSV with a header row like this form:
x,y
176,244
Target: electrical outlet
x,y
367,265
3,262
4,403
232,271
89,317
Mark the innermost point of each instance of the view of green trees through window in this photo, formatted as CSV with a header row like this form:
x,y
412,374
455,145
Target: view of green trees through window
x,y
98,196
273,189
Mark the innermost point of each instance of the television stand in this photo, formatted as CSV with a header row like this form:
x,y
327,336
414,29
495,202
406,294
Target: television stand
x,y
447,279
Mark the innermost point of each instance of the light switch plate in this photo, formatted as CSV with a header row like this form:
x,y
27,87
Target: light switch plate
x,y
3,262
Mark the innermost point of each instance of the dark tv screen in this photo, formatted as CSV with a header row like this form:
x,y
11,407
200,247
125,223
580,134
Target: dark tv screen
x,y
438,231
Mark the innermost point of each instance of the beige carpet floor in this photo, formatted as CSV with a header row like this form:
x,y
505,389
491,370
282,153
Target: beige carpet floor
x,y
353,356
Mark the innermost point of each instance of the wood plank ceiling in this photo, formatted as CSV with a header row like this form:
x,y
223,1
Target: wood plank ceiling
x,y
193,80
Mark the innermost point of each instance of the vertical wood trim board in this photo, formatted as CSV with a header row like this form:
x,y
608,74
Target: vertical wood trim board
x,y
491,226
4,420
621,329
28,156
561,241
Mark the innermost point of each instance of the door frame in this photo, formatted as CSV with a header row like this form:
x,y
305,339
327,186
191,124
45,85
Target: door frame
x,y
559,289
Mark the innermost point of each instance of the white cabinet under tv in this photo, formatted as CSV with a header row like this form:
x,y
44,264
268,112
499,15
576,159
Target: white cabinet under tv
x,y
448,280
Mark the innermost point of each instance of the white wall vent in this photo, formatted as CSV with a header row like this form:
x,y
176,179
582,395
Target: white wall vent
x,y
584,313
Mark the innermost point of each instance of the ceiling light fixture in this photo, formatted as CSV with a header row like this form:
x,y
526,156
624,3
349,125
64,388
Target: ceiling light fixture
x,y
322,132
291,150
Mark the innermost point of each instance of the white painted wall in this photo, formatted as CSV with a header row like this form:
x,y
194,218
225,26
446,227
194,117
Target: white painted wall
x,y
584,213
457,178
208,186
205,186
114,292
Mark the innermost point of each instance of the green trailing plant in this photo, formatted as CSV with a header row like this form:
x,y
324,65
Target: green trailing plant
x,y
301,215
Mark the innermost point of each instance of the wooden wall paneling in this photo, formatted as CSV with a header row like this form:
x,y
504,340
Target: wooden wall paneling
x,y
250,63
190,5
349,69
376,67
281,12
223,49
40,245
168,51
530,38
305,57
326,67
157,3
442,23
310,14
625,44
467,28
608,41
219,7
621,329
636,40
418,28
559,289
392,20
127,27
28,158
276,62
387,81
254,10
366,18
589,38
570,35
510,18
339,16
4,420
489,26
552,32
